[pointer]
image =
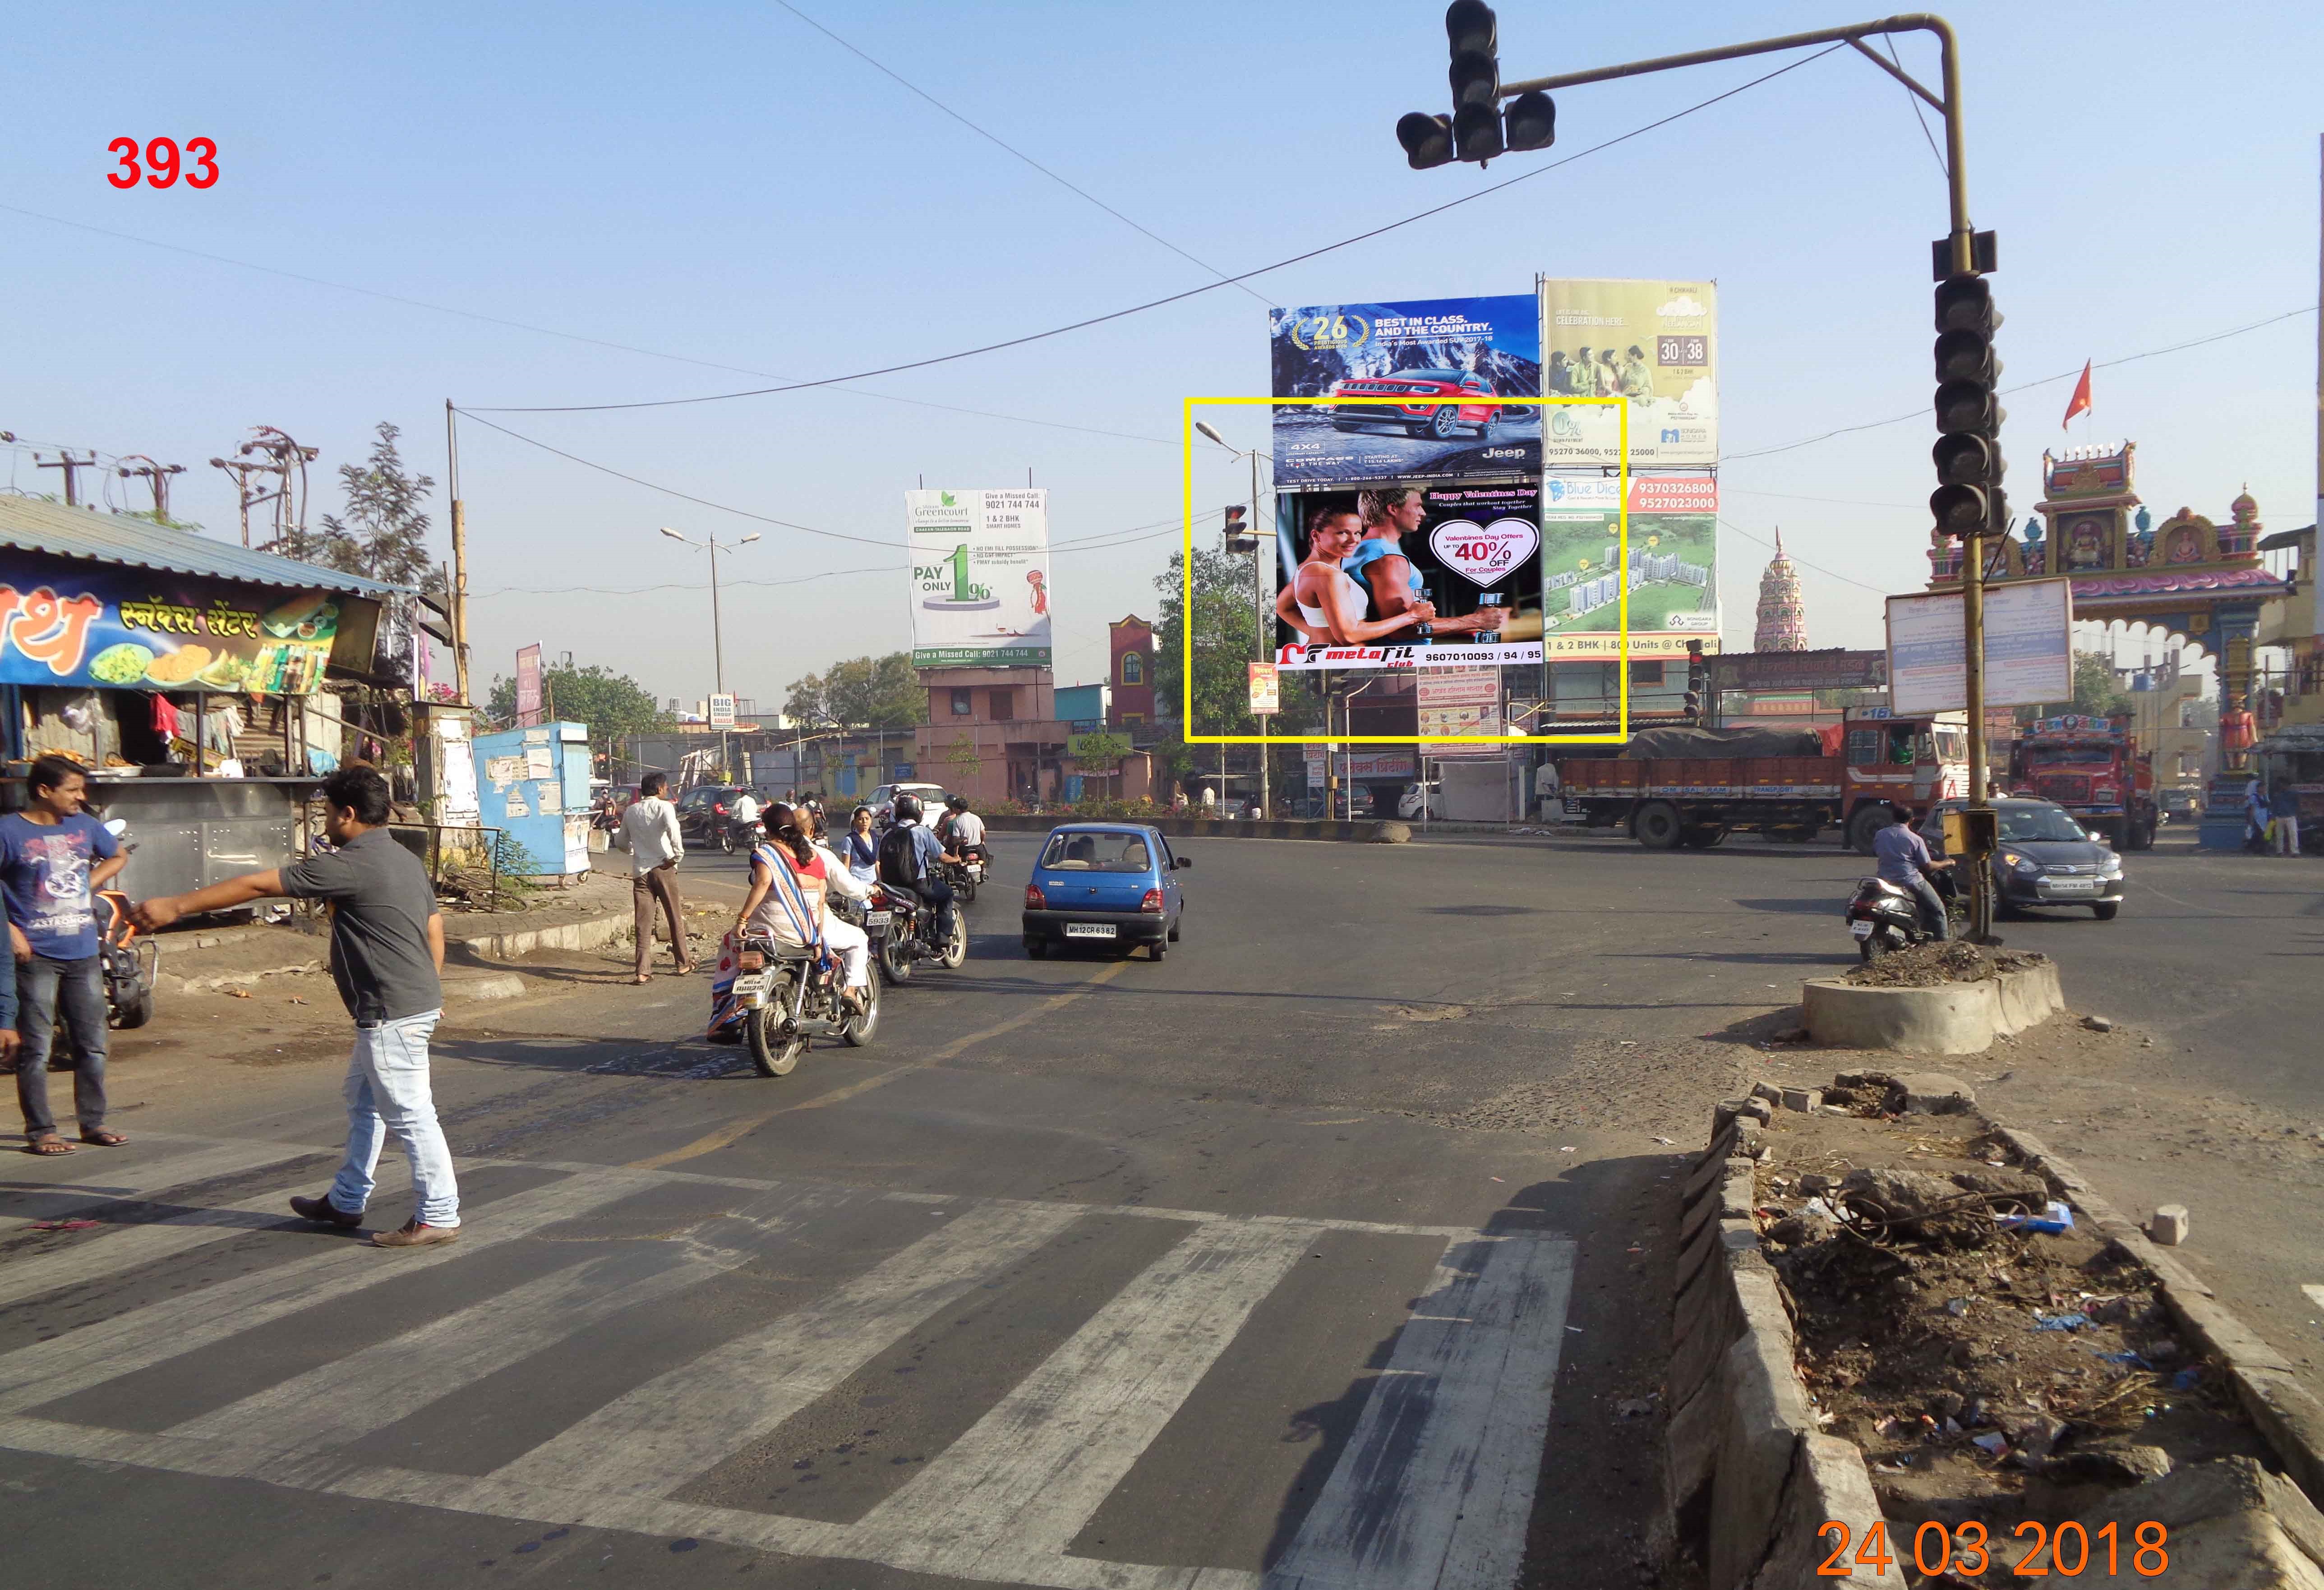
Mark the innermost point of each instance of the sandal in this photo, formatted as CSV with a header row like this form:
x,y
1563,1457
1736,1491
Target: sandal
x,y
47,1145
104,1139
640,979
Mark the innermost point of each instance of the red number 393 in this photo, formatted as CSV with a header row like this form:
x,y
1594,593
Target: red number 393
x,y
163,163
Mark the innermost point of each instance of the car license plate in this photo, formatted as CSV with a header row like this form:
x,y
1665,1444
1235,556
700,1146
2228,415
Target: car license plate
x,y
2073,886
1861,930
1089,929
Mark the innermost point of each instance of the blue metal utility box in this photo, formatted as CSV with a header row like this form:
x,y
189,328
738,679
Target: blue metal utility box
x,y
533,785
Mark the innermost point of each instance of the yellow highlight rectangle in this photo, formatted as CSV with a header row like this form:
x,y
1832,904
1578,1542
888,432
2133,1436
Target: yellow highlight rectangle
x,y
1186,574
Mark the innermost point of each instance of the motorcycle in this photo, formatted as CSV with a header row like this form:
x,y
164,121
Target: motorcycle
x,y
742,833
911,934
1884,916
966,873
781,997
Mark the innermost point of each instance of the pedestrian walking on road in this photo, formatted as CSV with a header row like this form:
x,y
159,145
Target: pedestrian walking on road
x,y
650,833
53,859
2284,806
387,957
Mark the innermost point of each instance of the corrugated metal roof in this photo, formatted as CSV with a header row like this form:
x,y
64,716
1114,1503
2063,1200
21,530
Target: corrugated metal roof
x,y
31,525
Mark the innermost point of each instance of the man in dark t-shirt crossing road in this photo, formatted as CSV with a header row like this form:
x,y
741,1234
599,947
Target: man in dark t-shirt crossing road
x,y
387,951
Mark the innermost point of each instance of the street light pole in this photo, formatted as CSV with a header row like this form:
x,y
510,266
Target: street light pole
x,y
1261,605
717,635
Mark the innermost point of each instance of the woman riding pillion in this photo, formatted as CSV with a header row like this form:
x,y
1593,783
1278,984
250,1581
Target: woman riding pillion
x,y
791,881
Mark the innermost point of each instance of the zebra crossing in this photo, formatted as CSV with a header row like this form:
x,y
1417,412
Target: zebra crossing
x,y
1434,1486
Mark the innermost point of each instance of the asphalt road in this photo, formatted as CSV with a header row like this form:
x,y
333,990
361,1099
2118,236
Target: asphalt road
x,y
1331,1248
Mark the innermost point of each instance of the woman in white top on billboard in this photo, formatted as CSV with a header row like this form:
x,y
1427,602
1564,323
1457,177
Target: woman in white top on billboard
x,y
1324,601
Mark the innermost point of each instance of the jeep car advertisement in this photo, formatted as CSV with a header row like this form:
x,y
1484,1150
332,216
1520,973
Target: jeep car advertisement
x,y
1434,360
1652,344
980,586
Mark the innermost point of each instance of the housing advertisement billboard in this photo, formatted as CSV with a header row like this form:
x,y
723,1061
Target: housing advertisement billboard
x,y
980,586
1672,579
1433,358
2029,652
69,624
1362,574
1652,343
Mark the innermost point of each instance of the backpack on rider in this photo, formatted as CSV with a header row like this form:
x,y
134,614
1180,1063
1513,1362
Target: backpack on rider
x,y
900,864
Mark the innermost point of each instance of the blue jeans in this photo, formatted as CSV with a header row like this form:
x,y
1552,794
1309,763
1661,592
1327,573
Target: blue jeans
x,y
45,989
387,1093
1932,907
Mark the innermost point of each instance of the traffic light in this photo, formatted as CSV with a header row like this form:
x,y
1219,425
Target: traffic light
x,y
1474,34
1969,499
1477,130
1240,536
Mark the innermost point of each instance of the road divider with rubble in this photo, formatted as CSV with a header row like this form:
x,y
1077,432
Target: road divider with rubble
x,y
1909,1337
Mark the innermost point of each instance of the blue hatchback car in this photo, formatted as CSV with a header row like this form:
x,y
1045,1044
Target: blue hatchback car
x,y
1111,885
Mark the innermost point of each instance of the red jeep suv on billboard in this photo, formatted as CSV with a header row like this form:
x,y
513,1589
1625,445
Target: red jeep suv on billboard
x,y
1427,413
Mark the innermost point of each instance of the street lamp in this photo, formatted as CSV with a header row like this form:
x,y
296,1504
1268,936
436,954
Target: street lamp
x,y
1259,565
714,546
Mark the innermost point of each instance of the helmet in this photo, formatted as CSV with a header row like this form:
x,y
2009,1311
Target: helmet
x,y
958,803
907,809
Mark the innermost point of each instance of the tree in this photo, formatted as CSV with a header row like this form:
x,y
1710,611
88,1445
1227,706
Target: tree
x,y
961,758
615,705
384,535
2097,692
861,692
1226,641
1098,753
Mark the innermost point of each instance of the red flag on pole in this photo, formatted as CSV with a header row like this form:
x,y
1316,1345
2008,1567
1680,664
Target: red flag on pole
x,y
2079,404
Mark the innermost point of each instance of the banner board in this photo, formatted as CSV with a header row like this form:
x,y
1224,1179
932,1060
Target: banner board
x,y
979,589
1653,344
722,712
1360,765
1829,670
69,623
1433,357
1458,701
2029,651
1266,689
529,710
1297,659
1671,579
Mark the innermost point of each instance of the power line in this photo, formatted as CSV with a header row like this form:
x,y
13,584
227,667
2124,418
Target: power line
x,y
1140,308
997,141
1922,413
1802,562
650,352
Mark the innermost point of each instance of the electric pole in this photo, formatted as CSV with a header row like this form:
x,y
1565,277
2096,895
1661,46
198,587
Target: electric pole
x,y
69,465
247,495
158,476
459,556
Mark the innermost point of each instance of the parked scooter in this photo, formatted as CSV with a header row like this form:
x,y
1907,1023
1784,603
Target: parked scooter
x,y
1884,916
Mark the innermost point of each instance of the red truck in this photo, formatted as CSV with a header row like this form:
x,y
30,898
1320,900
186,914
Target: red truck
x,y
1693,787
2090,766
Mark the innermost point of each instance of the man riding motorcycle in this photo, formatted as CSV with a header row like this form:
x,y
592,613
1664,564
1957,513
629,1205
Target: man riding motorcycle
x,y
909,861
1904,859
961,829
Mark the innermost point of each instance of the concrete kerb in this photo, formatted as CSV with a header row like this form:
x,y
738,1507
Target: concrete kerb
x,y
1950,1019
588,933
1749,1476
2291,1417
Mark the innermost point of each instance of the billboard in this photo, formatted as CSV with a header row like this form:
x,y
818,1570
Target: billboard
x,y
1459,701
2029,651
1266,689
69,623
979,588
529,710
1672,580
1433,357
1352,564
1653,344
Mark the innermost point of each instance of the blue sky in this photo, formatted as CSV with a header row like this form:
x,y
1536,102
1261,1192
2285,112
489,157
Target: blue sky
x,y
728,185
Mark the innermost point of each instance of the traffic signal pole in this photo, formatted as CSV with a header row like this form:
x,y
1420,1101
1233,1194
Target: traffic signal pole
x,y
1961,249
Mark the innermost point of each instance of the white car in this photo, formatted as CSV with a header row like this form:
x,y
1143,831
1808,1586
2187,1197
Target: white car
x,y
882,801
1408,803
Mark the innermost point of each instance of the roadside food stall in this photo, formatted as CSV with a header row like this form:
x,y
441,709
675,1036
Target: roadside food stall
x,y
183,675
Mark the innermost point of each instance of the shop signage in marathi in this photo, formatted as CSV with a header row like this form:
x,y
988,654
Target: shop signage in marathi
x,y
142,629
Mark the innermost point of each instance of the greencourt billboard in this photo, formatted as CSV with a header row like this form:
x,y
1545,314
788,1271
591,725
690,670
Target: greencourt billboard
x,y
980,587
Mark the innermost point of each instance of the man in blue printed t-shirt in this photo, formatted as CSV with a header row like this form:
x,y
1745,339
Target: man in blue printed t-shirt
x,y
53,859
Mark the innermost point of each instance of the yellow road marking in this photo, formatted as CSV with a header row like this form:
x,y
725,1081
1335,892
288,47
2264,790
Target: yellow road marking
x,y
733,1131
